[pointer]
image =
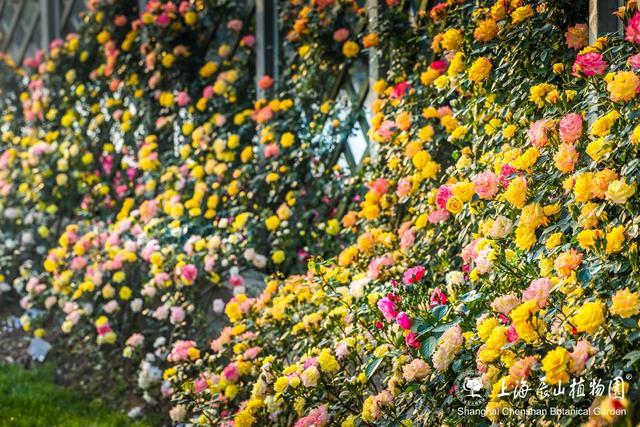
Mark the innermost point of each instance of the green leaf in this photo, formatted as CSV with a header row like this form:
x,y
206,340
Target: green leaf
x,y
470,296
428,347
411,387
632,357
372,367
440,311
444,327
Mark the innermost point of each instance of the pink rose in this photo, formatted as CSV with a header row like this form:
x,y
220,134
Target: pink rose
x,y
538,290
183,98
400,90
236,280
538,133
376,265
589,64
235,25
163,20
634,61
439,66
386,129
632,32
249,40
341,35
443,195
403,320
189,273
441,215
265,82
380,186
486,184
318,417
437,298
271,150
403,188
200,385
512,335
177,315
412,340
571,128
506,174
388,308
230,372
413,275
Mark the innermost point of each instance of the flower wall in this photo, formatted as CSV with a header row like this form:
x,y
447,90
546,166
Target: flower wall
x,y
492,236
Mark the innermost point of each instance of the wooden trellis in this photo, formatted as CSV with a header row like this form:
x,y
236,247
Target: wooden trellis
x,y
29,25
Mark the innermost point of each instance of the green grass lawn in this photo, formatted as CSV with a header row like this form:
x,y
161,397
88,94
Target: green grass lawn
x,y
30,398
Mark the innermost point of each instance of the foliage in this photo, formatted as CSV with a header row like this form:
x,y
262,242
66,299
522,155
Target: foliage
x,y
493,240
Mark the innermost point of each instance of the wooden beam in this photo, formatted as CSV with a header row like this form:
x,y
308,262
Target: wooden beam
x,y
66,16
267,41
601,18
49,21
12,27
28,37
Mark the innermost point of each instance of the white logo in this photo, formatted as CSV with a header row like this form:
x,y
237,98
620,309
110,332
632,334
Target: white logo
x,y
469,388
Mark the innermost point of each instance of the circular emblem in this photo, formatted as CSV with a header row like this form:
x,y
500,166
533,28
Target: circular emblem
x,y
469,388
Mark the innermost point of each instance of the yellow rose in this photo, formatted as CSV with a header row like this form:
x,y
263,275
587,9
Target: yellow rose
x,y
486,327
615,239
463,190
278,256
272,223
451,39
619,191
625,303
327,361
555,364
527,325
287,139
589,317
587,238
480,69
582,189
486,30
553,240
602,125
125,293
622,86
454,205
521,13
516,193
525,237
350,49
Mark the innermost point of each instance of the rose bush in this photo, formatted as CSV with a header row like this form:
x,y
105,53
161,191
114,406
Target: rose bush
x,y
490,237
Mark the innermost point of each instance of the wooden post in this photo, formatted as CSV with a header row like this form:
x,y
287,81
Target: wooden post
x,y
267,41
49,21
601,18
374,75
372,13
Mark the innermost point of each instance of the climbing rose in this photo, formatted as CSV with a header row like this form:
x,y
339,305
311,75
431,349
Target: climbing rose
x,y
538,133
577,36
589,64
632,32
571,128
413,274
486,184
443,196
388,308
403,320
